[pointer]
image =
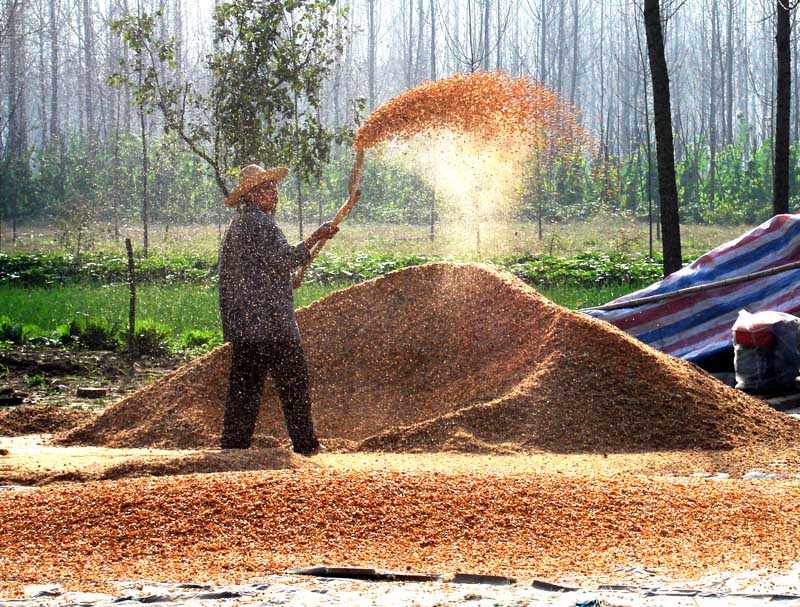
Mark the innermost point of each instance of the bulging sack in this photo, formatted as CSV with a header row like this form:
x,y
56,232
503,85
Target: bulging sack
x,y
766,352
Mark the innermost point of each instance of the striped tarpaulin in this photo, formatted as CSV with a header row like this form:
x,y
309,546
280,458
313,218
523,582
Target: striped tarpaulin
x,y
697,325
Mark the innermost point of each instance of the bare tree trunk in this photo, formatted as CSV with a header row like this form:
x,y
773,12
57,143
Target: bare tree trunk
x,y
729,74
744,85
712,110
162,36
665,152
145,171
116,166
420,39
499,29
627,100
542,41
768,113
126,107
178,9
456,32
573,86
116,56
780,202
372,41
16,123
42,30
409,58
54,92
602,75
299,182
562,47
486,46
517,67
433,39
145,160
795,83
90,75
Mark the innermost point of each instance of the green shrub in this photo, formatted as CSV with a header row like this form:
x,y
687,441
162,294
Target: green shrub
x,y
328,269
10,330
151,338
198,338
35,380
89,333
35,336
42,270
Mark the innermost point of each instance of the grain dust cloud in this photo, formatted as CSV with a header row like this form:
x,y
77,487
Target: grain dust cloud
x,y
469,138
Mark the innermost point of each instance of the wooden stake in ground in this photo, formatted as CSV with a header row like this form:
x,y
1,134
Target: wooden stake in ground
x,y
132,306
353,195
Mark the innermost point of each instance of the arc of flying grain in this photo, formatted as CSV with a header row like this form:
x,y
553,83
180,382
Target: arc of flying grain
x,y
491,104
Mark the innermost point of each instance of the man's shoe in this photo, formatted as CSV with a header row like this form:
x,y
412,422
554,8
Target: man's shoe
x,y
310,451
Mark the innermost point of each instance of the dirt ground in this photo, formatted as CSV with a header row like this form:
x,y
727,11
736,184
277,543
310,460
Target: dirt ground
x,y
51,376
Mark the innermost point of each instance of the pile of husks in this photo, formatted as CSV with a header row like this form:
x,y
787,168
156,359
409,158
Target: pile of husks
x,y
459,357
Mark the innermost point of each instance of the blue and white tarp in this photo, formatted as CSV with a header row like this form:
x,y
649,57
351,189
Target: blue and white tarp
x,y
698,325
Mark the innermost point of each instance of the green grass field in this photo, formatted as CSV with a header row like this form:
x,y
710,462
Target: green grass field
x,y
182,307
179,307
457,241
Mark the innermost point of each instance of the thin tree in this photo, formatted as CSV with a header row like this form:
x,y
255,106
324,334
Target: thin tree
x,y
14,161
780,189
372,42
41,36
472,51
54,92
573,84
665,149
141,101
89,66
729,73
712,111
433,39
432,233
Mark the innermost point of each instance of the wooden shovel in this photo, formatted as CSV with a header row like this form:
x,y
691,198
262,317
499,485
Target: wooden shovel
x,y
353,195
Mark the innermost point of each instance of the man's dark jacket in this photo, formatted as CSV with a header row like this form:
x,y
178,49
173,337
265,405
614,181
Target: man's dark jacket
x,y
255,280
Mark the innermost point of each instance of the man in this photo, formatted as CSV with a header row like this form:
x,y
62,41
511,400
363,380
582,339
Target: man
x,y
257,308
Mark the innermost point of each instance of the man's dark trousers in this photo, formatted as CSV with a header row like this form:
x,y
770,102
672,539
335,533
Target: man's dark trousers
x,y
286,364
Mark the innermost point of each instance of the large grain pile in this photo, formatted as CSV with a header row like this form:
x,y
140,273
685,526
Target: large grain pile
x,y
459,357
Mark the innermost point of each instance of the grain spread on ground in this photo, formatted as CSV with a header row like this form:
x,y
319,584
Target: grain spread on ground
x,y
31,419
459,357
234,527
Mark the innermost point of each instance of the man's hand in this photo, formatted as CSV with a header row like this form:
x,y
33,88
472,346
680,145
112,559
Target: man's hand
x,y
326,230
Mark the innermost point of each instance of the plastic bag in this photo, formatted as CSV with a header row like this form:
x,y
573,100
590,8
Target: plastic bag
x,y
766,352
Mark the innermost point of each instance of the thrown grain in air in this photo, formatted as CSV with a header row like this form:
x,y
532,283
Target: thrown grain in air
x,y
459,357
493,105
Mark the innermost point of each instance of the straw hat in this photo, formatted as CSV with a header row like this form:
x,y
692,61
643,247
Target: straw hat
x,y
251,176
